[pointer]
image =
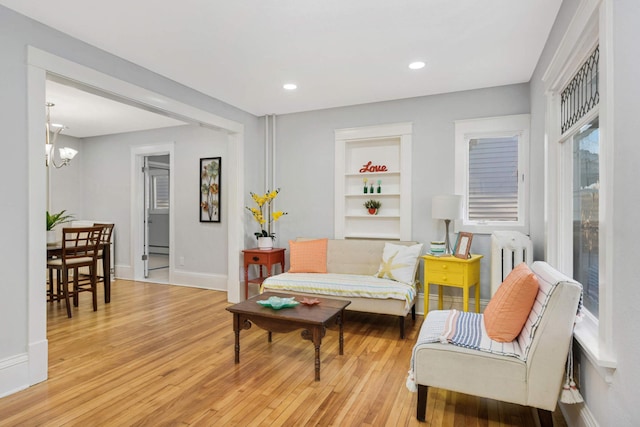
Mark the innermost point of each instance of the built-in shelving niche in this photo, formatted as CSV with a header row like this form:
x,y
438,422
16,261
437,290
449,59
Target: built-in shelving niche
x,y
382,156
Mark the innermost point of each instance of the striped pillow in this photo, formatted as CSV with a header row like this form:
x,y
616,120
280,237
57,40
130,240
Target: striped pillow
x,y
548,280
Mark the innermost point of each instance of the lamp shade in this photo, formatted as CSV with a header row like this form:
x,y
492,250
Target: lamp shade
x,y
448,206
67,153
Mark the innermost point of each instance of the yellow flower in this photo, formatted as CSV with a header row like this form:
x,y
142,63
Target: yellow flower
x,y
277,214
261,216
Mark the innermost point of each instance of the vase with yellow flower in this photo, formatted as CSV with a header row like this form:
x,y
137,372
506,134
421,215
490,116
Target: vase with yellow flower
x,y
264,216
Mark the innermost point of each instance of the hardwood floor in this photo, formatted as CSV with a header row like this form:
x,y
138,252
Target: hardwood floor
x,y
163,355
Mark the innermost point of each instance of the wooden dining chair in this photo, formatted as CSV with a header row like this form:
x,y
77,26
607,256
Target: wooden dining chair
x,y
79,249
105,277
105,238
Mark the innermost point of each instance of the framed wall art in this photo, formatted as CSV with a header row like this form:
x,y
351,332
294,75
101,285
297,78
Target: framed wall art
x,y
463,245
210,175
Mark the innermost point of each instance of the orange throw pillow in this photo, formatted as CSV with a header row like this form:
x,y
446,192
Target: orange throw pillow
x,y
509,308
309,256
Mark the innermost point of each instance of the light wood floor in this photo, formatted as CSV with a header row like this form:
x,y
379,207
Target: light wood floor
x,y
163,355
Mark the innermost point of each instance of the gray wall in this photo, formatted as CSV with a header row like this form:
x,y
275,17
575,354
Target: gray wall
x,y
107,192
306,157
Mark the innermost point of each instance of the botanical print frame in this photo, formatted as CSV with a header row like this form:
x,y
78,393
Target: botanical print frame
x,y
463,245
210,189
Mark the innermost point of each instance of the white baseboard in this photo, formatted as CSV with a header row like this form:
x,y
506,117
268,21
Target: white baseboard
x,y
578,415
14,374
124,272
216,282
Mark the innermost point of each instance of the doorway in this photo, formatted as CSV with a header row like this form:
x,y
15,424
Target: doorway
x,y
152,229
157,202
33,367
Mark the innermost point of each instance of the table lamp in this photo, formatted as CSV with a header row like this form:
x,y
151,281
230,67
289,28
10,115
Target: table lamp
x,y
446,207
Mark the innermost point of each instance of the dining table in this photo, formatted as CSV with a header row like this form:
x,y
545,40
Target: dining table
x,y
55,250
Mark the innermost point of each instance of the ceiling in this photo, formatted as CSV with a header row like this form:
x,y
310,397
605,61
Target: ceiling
x,y
337,52
86,114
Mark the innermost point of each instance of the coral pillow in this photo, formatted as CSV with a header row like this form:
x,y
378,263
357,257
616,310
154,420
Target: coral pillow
x,y
509,308
308,256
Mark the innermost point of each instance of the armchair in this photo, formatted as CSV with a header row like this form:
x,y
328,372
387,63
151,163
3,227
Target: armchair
x,y
532,379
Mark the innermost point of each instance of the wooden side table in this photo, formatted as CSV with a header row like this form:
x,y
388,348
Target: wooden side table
x,y
455,272
262,257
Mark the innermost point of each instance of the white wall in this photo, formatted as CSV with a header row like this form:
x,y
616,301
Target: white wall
x,y
305,154
612,404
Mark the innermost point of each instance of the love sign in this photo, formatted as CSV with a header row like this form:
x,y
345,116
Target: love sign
x,y
369,167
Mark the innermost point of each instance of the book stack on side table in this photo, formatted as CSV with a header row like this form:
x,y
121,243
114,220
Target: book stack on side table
x,y
437,248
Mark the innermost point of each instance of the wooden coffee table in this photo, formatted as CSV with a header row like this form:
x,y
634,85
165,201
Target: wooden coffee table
x,y
313,319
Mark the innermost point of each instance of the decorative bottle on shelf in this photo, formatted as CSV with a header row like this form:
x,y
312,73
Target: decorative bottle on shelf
x,y
365,185
371,189
379,189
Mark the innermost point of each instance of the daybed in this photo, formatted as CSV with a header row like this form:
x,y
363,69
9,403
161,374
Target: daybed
x,y
348,269
455,352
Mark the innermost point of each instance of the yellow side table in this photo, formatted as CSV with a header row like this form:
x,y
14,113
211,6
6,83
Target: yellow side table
x,y
452,271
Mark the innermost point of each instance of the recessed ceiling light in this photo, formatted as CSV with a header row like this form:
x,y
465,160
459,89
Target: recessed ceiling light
x,y
290,86
417,65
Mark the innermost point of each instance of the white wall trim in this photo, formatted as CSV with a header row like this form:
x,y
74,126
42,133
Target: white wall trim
x,y
216,282
37,361
590,26
39,63
128,91
138,153
14,374
492,127
378,131
578,415
403,132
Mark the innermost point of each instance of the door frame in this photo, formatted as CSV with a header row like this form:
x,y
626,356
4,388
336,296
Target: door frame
x,y
40,63
138,153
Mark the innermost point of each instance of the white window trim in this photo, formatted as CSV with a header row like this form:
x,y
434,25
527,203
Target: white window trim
x,y
493,127
590,26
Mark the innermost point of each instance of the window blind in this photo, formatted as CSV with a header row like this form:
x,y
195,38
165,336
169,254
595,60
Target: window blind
x,y
161,191
493,179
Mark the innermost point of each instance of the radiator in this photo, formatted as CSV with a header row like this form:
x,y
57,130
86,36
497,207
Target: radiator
x,y
508,249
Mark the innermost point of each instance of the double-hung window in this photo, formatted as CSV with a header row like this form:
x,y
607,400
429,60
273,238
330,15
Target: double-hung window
x,y
491,172
579,190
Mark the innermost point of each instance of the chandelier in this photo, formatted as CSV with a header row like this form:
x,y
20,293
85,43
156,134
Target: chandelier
x,y
53,130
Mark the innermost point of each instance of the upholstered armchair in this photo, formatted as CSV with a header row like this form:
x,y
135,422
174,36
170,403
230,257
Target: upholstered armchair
x,y
532,378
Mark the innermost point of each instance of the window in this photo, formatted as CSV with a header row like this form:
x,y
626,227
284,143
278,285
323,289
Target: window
x,y
491,169
586,201
159,191
579,188
578,171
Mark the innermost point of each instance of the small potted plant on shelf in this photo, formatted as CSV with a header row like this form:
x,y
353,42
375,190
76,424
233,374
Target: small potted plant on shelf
x,y
372,206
